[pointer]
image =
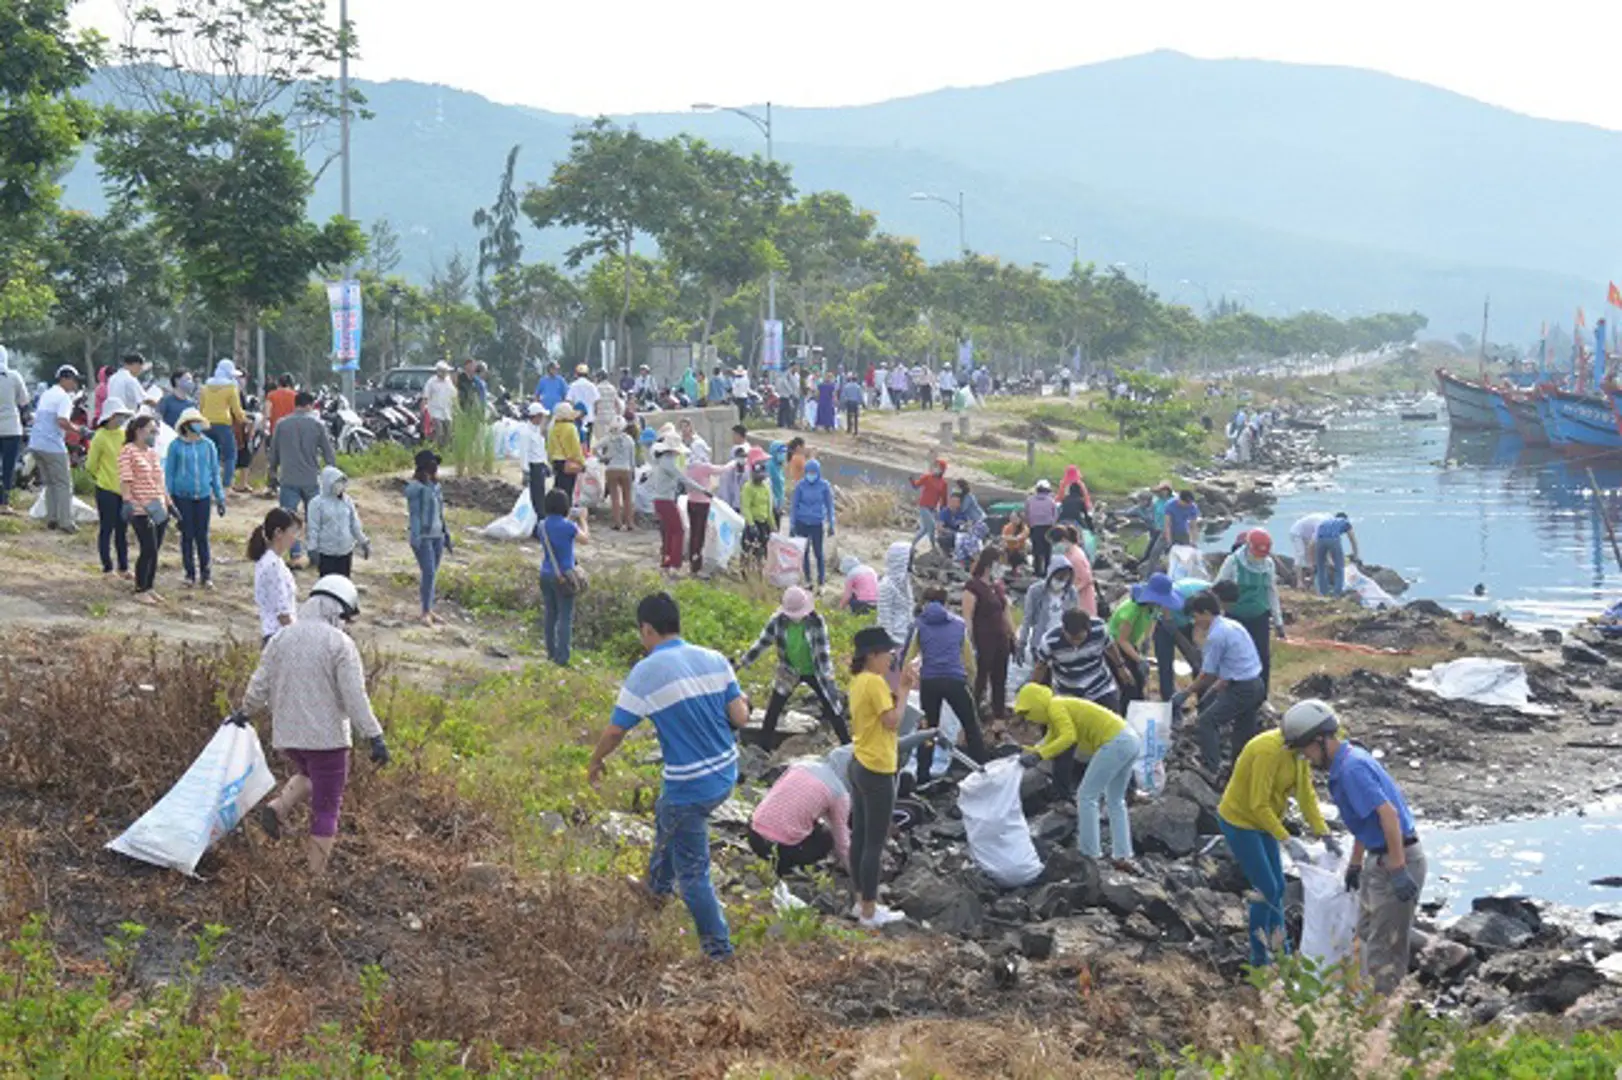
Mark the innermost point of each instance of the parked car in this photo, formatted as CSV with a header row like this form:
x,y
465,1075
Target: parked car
x,y
405,383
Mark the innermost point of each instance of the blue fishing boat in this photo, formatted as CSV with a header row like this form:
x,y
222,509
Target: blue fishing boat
x,y
1583,423
1469,404
1498,398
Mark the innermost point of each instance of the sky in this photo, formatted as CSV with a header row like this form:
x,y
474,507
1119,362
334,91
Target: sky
x,y
1556,59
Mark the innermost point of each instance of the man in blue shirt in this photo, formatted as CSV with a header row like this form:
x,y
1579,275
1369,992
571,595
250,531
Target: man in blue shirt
x,y
1181,514
691,695
720,388
1230,687
1377,816
551,388
1330,565
1159,538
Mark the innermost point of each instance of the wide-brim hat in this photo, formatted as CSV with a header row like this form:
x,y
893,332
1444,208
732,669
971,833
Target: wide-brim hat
x,y
1164,485
443,365
112,412
797,603
564,411
873,639
1044,487
1159,592
190,416
669,446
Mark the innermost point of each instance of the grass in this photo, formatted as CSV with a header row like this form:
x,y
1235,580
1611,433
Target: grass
x,y
472,449
1111,468
380,459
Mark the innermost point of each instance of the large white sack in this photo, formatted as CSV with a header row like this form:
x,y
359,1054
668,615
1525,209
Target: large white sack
x,y
784,557
591,486
724,535
1482,680
517,524
999,839
83,512
1368,593
226,781
1185,561
1151,721
641,491
1329,914
507,434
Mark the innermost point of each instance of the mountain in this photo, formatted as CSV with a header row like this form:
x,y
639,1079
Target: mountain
x,y
1288,186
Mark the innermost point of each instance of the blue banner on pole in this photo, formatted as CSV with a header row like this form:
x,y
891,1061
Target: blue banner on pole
x,y
771,349
343,297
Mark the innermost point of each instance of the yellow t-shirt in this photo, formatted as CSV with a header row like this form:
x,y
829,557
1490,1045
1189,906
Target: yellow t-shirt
x,y
1265,776
221,405
873,743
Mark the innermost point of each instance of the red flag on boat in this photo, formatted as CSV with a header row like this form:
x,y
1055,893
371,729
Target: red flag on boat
x,y
1582,320
1614,297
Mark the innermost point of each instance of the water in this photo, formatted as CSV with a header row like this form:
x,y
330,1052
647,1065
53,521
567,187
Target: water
x,y
1450,511
1552,858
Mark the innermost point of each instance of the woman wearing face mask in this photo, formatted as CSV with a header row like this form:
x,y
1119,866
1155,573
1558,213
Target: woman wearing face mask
x,y
1046,601
1067,545
985,609
140,479
192,469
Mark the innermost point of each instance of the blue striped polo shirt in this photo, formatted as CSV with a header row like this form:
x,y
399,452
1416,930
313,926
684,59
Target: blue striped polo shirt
x,y
685,691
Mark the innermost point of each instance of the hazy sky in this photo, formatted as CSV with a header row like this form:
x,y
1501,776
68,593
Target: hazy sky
x,y
1555,58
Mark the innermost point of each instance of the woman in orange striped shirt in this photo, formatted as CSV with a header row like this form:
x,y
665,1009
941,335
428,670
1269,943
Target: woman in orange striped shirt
x,y
146,501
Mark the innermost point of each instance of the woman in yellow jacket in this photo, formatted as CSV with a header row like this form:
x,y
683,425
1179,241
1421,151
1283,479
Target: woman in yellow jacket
x,y
220,402
1251,816
563,447
1076,726
102,463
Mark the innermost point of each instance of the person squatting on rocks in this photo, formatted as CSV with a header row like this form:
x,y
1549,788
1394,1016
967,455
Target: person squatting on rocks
x,y
806,814
800,637
691,697
1251,815
1374,811
1076,728
1149,604
876,758
1229,687
943,652
311,681
861,592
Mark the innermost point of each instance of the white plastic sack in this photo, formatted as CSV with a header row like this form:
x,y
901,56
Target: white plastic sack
x,y
641,491
950,728
1369,594
226,781
999,839
1478,679
1151,720
83,512
1018,675
724,535
784,555
507,434
591,486
1185,561
1329,914
517,524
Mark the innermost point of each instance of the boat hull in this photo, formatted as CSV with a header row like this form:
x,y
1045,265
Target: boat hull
x,y
1499,400
1584,423
1469,405
1523,408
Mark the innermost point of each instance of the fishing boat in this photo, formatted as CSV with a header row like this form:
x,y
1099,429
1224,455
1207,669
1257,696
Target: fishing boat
x,y
1469,404
1523,408
1498,398
1582,423
1552,432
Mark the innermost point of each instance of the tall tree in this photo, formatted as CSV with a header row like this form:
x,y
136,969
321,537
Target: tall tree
x,y
501,254
42,61
108,273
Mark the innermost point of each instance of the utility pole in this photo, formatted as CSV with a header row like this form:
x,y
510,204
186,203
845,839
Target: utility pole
x,y
348,377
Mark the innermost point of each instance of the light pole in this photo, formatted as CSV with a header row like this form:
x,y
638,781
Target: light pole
x,y
1142,268
1203,292
1074,244
956,207
395,292
764,123
347,378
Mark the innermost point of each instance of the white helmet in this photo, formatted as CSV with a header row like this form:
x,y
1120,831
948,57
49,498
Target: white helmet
x,y
1307,720
339,588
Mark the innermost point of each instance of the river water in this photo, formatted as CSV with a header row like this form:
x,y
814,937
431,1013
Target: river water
x,y
1453,511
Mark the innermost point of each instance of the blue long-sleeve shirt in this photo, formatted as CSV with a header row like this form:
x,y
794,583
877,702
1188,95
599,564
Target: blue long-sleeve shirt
x,y
550,390
813,503
192,470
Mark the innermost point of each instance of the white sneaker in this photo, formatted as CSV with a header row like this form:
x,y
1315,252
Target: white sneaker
x,y
882,916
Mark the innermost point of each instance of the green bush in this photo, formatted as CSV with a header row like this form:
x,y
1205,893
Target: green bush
x,y
379,459
1110,467
472,449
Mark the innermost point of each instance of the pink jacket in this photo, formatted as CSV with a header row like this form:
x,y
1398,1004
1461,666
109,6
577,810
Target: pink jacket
x,y
1084,578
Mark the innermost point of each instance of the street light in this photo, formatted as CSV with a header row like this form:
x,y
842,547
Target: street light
x,y
764,123
1203,291
1074,244
956,207
1142,268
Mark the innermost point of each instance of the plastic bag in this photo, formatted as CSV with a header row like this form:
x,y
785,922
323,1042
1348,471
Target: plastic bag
x,y
517,524
784,555
226,781
1367,590
1018,675
1483,680
642,491
1329,914
724,535
999,839
83,512
508,435
591,486
912,718
1151,720
1185,561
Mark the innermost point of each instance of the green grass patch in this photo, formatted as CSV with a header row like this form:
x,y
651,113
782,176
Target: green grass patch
x,y
1111,468
380,459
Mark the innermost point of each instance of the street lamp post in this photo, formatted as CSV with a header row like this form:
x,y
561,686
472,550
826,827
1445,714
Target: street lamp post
x,y
1203,291
956,207
1142,268
347,379
395,293
764,123
1074,244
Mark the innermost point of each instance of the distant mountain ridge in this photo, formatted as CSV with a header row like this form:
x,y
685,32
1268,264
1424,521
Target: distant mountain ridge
x,y
1284,185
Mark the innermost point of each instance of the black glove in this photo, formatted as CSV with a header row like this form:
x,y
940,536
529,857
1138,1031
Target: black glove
x,y
1403,885
239,718
1354,877
1030,759
380,751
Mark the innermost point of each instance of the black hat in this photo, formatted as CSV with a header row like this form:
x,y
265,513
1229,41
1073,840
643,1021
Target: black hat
x,y
427,459
873,639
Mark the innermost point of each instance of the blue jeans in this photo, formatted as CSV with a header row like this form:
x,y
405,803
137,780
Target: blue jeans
x,y
1258,856
1330,568
559,620
1107,777
428,552
194,552
927,523
295,498
813,536
680,861
225,441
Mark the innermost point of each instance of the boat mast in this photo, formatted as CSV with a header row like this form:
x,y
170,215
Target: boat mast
x,y
1485,307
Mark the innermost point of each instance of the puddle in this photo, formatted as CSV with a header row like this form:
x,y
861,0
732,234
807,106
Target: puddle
x,y
1552,858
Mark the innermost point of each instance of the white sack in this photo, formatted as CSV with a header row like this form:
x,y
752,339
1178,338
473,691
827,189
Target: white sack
x,y
517,524
1481,680
641,491
999,839
723,535
591,486
1329,914
507,435
1151,720
1369,594
83,512
784,555
1185,561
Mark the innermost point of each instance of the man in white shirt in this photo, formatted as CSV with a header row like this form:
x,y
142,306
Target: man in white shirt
x,y
439,397
532,454
47,441
1304,538
584,396
124,387
740,392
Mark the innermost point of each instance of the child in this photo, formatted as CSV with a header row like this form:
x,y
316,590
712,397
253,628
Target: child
x,y
1015,535
758,518
335,533
273,588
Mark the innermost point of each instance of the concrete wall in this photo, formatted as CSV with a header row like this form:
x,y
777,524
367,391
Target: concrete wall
x,y
851,471
714,423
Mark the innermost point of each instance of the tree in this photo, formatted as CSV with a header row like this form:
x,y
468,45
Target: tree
x,y
501,254
614,184
382,248
454,324
106,272
41,126
822,238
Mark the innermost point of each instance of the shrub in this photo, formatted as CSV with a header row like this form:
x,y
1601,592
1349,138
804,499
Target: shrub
x,y
377,460
472,449
1110,467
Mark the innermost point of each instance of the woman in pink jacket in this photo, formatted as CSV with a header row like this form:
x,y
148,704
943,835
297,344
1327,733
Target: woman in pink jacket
x,y
1067,542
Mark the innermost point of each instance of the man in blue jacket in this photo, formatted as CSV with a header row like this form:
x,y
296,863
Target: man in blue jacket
x,y
811,512
551,388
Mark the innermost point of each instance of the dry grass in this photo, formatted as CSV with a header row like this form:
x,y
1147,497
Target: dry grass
x,y
871,508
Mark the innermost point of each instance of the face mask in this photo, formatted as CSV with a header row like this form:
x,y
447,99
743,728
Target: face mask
x,y
1056,585
187,385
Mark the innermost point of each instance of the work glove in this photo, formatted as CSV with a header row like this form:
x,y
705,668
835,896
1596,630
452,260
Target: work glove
x,y
380,751
365,548
219,508
1403,885
1332,844
1298,850
1179,701
1030,759
1353,877
239,718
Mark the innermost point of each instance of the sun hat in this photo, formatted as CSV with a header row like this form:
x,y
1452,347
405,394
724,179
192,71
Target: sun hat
x,y
873,639
668,445
68,371
797,603
190,416
1164,485
1159,592
1260,543
1043,487
581,369
537,409
112,412
564,411
443,365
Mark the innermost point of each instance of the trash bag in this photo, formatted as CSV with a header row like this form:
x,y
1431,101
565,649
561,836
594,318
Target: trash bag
x,y
517,524
784,555
226,781
1018,675
507,434
1185,561
591,486
1152,722
1089,544
724,535
1367,591
1329,913
912,718
83,512
641,491
999,839
1481,680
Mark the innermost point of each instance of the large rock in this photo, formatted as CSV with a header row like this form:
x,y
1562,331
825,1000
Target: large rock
x,y
1428,607
946,906
1445,961
1036,790
1054,827
1057,899
1190,785
1490,932
1575,652
1169,825
1554,982
1519,908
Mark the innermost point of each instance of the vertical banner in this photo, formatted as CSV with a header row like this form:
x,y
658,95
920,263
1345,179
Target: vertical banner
x,y
771,346
965,356
343,297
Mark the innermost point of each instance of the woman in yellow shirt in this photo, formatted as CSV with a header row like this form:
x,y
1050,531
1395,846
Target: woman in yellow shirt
x,y
563,447
1076,726
874,718
1251,816
114,531
220,402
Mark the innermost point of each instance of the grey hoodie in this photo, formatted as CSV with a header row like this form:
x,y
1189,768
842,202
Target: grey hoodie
x,y
895,591
1043,608
334,525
